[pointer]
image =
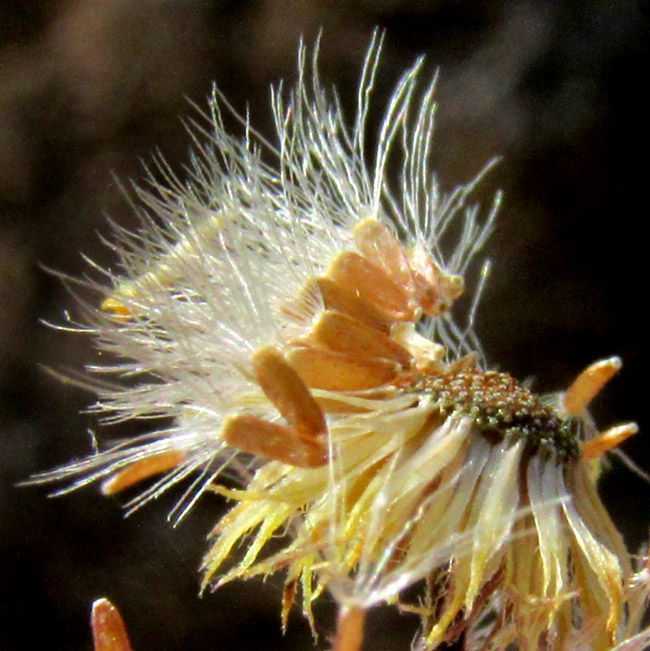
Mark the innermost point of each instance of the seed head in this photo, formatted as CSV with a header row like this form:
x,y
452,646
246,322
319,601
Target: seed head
x,y
287,309
502,408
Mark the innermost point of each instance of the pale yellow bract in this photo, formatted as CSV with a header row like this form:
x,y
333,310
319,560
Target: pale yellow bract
x,y
292,318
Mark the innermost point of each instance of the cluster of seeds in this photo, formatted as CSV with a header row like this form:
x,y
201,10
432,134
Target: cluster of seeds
x,y
501,407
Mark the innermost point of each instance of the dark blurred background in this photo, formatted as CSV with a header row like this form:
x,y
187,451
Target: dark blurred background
x,y
88,89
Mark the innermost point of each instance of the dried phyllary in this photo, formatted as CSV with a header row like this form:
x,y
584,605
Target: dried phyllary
x,y
288,307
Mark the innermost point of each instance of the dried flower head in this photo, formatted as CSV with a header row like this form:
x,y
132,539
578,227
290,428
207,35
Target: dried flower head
x,y
292,318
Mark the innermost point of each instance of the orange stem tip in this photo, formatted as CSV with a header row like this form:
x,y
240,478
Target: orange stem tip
x,y
109,631
589,384
608,440
140,470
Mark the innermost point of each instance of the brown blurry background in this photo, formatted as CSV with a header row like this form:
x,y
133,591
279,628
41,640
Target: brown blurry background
x,y
89,88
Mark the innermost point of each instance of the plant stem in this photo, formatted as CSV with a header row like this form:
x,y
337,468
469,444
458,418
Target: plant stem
x,y
349,629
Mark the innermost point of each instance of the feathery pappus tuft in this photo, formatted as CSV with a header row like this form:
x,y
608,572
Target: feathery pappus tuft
x,y
286,308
